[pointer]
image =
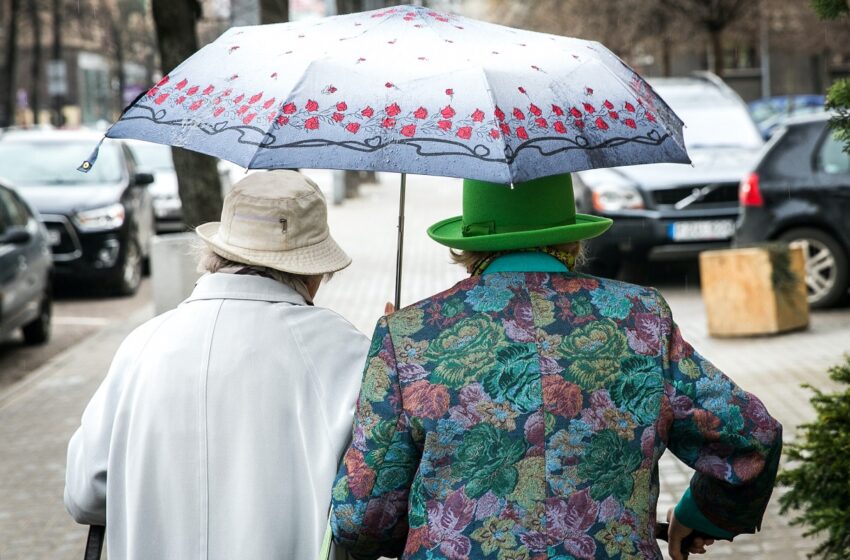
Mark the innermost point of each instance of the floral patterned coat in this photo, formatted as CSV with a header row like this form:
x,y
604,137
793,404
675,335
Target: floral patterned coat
x,y
522,416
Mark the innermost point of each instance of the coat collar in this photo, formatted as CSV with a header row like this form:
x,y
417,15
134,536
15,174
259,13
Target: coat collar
x,y
237,286
525,262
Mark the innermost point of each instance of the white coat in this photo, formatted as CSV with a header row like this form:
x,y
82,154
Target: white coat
x,y
217,431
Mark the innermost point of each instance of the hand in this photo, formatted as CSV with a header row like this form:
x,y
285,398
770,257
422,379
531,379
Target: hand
x,y
679,533
389,308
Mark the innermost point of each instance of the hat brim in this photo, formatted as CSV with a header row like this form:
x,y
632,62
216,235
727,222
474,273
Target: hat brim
x,y
320,258
450,233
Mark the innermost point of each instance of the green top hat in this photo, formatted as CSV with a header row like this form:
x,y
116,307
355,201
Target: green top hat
x,y
532,214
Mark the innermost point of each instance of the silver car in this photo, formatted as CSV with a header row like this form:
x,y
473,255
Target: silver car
x,y
672,211
156,159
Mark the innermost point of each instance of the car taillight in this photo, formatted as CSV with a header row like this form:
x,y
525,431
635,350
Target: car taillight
x,y
749,193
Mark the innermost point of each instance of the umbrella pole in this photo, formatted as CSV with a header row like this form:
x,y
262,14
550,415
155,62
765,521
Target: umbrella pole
x,y
400,243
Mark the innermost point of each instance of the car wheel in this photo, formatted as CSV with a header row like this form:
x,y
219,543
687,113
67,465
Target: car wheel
x,y
38,331
130,275
827,270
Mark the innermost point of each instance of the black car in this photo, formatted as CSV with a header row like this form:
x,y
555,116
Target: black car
x,y
800,192
99,223
25,266
673,211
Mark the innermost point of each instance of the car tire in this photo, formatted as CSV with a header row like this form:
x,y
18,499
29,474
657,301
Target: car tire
x,y
38,330
827,267
130,274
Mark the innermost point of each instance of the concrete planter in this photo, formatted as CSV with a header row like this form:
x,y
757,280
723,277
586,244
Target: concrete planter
x,y
173,269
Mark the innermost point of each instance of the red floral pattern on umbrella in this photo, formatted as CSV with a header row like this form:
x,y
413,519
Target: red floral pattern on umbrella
x,y
424,87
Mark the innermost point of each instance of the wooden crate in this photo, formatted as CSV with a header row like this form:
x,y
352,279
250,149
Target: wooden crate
x,y
753,291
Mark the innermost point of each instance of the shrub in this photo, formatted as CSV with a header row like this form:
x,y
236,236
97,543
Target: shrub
x,y
838,96
820,482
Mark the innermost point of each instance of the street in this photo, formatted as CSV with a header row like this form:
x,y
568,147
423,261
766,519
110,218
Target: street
x,y
77,314
45,389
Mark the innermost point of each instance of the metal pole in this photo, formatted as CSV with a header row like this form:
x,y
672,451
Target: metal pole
x,y
400,242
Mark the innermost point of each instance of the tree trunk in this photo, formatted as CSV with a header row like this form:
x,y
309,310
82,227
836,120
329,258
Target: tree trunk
x,y
35,92
113,19
716,44
197,175
10,68
274,11
666,57
59,100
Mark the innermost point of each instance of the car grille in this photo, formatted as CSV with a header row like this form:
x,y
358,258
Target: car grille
x,y
715,194
68,246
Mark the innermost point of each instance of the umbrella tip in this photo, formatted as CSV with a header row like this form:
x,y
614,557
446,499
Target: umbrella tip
x,y
86,166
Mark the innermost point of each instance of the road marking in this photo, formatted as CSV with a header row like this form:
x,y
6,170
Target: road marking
x,y
81,321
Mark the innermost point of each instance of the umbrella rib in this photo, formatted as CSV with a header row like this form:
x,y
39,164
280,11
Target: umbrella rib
x,y
501,133
328,53
628,88
279,111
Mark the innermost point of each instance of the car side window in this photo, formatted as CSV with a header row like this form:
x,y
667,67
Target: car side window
x,y
4,213
14,210
24,212
832,158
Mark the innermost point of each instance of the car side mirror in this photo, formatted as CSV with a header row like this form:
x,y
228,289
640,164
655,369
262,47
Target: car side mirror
x,y
15,236
142,179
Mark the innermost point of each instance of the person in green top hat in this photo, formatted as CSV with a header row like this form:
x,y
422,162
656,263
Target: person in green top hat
x,y
536,218
522,412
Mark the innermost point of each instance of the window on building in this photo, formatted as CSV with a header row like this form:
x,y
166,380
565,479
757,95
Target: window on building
x,y
740,57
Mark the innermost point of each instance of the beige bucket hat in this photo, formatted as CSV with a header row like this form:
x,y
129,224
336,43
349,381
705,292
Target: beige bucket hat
x,y
276,219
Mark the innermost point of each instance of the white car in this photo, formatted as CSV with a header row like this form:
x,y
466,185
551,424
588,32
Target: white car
x,y
156,159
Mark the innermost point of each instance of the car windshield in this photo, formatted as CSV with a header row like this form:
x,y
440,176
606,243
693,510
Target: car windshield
x,y
712,120
152,157
55,162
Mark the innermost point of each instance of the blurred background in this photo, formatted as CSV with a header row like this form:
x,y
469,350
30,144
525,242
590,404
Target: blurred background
x,y
79,62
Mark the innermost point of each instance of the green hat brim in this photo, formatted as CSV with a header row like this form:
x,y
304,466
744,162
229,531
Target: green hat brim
x,y
450,233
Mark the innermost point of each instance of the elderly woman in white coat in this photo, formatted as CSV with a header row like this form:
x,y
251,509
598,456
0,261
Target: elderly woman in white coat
x,y
217,431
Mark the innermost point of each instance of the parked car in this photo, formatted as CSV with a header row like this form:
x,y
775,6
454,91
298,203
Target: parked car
x,y
674,211
800,192
156,159
770,112
99,223
25,267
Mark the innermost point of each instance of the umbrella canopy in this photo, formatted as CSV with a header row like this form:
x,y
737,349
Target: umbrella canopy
x,y
412,90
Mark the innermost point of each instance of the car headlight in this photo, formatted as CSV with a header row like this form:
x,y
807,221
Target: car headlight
x,y
104,218
613,197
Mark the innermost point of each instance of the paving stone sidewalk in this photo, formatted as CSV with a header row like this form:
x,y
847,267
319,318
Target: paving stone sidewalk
x,y
38,415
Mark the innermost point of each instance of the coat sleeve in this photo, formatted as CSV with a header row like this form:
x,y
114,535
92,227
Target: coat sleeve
x,y
369,505
88,450
724,433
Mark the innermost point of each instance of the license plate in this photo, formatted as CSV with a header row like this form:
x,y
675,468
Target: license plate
x,y
702,230
54,237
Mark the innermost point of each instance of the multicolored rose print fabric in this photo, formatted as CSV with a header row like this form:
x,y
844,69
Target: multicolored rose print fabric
x,y
522,416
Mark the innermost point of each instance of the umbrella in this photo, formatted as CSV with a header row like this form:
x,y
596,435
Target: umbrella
x,y
410,90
